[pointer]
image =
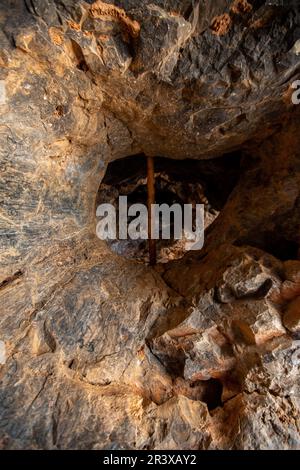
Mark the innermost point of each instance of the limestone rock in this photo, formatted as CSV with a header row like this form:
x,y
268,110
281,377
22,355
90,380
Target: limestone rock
x,y
203,352
274,415
257,321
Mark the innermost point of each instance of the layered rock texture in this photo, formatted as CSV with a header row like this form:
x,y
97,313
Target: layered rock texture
x,y
106,353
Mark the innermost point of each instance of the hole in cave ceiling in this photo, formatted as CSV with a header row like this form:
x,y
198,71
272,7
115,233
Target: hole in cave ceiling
x,y
207,182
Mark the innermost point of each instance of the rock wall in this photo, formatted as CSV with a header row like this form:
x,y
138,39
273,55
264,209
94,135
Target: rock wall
x,y
202,354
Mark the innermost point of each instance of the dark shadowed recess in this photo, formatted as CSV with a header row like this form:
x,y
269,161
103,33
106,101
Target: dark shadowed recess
x,y
273,242
217,176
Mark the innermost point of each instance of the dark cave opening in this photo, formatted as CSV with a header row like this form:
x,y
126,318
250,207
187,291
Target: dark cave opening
x,y
207,391
207,182
212,394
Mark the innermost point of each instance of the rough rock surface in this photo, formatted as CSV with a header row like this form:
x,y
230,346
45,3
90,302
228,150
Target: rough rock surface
x,y
204,352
